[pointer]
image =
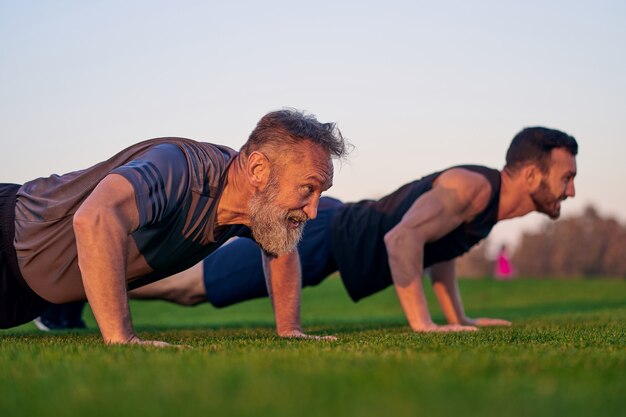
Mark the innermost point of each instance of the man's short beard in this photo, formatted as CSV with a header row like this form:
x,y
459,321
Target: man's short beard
x,y
545,202
270,223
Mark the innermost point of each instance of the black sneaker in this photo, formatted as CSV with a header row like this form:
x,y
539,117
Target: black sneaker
x,y
39,322
61,317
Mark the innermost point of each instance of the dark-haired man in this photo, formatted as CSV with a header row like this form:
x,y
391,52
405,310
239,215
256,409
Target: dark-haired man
x,y
157,208
426,223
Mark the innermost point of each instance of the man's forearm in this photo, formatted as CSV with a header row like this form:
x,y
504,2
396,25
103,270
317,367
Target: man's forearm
x,y
414,304
283,278
405,262
102,226
102,261
446,288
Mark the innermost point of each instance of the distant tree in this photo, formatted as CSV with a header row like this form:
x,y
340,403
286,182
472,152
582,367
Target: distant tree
x,y
586,245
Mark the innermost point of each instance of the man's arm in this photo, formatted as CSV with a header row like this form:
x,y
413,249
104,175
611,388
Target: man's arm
x,y
284,283
445,285
102,226
456,197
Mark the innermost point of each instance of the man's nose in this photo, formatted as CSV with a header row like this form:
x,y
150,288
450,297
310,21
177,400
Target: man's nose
x,y
571,189
311,208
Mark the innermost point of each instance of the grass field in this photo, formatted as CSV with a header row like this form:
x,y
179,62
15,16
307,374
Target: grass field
x,y
565,356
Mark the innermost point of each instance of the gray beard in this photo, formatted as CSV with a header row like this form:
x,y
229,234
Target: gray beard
x,y
270,224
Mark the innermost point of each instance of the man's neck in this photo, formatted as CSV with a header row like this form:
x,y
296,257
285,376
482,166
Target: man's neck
x,y
514,201
233,205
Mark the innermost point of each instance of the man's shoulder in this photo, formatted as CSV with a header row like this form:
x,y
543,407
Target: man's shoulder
x,y
210,150
203,157
204,162
464,176
470,184
216,154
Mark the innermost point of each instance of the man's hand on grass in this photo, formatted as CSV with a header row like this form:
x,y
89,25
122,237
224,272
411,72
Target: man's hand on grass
x,y
487,322
298,334
134,340
435,328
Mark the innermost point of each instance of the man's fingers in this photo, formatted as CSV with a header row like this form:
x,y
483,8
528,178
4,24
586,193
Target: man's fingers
x,y
447,328
315,337
299,335
457,328
156,343
492,322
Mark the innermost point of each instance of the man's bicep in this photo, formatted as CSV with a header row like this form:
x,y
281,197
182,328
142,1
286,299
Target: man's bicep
x,y
433,215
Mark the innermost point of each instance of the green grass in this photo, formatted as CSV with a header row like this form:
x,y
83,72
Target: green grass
x,y
565,355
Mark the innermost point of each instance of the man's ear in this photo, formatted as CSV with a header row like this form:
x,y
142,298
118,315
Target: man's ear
x,y
532,176
258,169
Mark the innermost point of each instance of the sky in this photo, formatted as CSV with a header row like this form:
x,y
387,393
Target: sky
x,y
416,86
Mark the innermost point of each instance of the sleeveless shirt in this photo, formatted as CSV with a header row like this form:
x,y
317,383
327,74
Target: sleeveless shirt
x,y
358,232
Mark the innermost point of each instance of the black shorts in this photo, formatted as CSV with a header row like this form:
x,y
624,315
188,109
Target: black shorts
x,y
18,303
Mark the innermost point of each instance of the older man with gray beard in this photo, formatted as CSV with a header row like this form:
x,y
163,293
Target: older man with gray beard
x,y
157,208
267,220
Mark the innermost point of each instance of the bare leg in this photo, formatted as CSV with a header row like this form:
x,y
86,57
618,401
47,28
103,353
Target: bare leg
x,y
185,288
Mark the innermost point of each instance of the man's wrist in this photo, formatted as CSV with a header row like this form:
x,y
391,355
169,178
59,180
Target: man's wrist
x,y
122,339
291,331
422,326
466,321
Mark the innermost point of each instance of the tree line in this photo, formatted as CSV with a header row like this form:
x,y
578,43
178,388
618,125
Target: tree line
x,y
587,245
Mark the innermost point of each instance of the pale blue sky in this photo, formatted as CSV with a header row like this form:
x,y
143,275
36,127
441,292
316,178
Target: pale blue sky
x,y
416,86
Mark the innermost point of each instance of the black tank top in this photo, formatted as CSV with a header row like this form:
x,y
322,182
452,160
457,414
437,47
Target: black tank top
x,y
358,230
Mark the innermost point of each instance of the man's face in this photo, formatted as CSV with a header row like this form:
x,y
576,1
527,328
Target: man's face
x,y
279,211
557,184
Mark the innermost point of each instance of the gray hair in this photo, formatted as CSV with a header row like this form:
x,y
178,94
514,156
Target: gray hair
x,y
280,129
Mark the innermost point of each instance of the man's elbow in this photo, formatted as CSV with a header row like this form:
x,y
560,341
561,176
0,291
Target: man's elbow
x,y
399,240
404,251
392,239
84,220
96,220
